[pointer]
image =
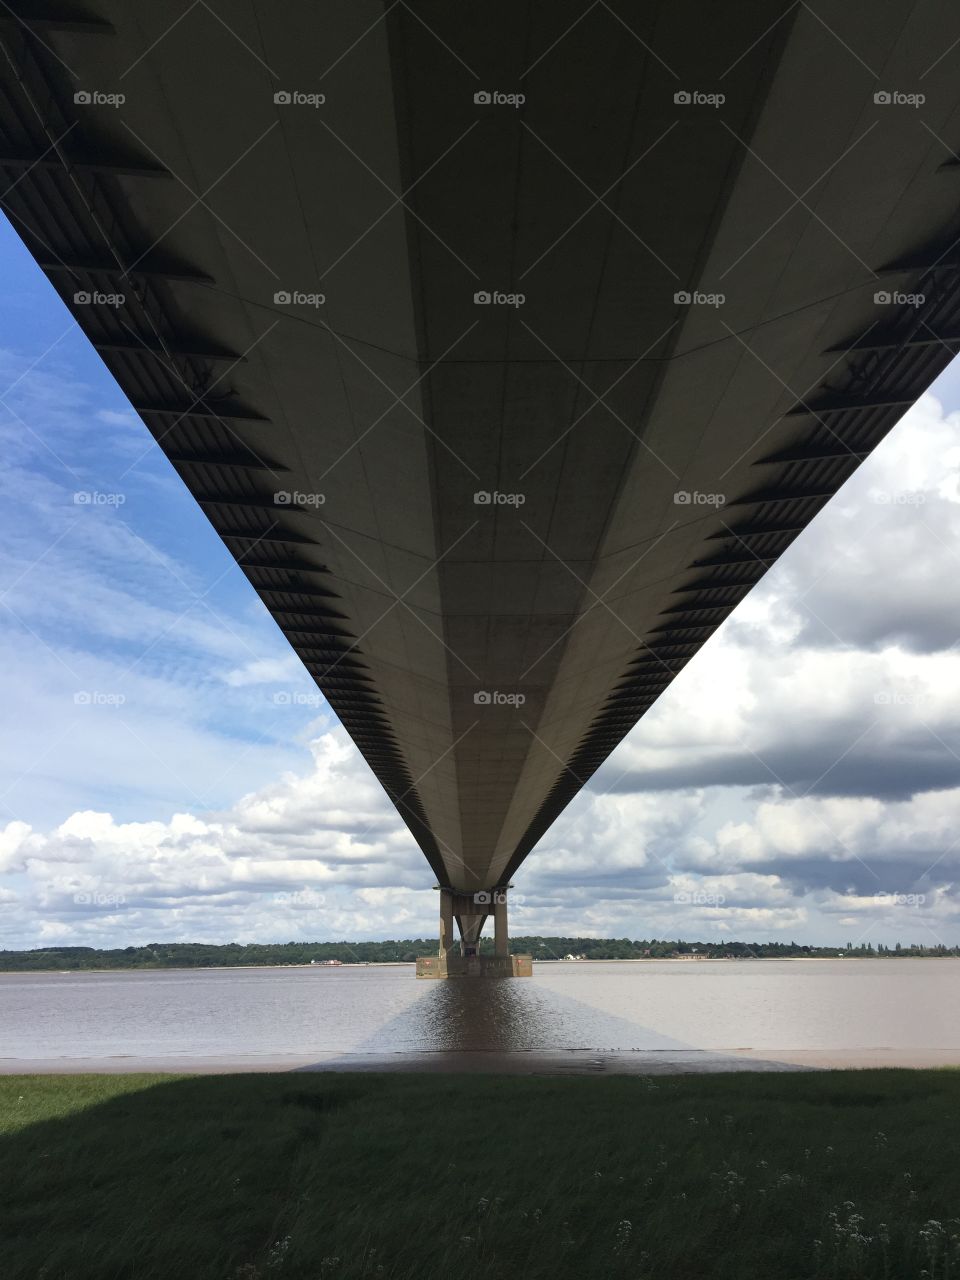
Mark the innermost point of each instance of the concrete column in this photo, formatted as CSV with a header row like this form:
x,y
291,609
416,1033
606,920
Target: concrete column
x,y
447,940
501,942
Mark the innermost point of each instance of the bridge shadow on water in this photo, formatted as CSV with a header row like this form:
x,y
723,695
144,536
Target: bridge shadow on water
x,y
518,1025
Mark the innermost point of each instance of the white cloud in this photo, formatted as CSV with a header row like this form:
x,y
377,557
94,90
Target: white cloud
x,y
266,671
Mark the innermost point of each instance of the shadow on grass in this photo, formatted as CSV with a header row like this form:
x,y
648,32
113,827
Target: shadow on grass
x,y
312,1176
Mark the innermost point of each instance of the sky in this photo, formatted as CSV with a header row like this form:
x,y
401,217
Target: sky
x,y
170,772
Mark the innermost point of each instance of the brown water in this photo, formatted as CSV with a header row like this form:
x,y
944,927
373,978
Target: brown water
x,y
695,1012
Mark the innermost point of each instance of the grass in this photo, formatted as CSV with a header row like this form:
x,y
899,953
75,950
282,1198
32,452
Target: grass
x,y
331,1177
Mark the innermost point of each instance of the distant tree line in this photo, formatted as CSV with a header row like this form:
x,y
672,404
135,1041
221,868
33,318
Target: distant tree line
x,y
197,955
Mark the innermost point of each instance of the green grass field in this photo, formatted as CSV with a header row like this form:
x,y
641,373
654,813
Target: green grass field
x,y
758,1177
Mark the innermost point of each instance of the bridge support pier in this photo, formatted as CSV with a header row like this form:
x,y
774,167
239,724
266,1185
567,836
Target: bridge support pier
x,y
470,910
447,938
501,942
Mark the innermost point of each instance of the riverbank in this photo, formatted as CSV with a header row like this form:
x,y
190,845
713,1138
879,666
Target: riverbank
x,y
513,1062
338,1177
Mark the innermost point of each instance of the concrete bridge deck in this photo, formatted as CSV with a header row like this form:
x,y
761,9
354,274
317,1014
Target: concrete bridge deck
x,y
506,346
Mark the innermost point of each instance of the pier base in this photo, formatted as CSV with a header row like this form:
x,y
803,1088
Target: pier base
x,y
475,967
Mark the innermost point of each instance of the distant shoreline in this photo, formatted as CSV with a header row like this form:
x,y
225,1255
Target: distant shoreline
x,y
211,968
404,951
409,964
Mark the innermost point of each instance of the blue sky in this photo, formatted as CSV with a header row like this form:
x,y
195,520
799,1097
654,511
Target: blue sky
x,y
170,771
129,595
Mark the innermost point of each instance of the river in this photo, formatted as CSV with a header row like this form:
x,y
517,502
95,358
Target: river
x,y
571,1016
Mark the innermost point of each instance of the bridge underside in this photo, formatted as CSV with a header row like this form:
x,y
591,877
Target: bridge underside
x,y
494,531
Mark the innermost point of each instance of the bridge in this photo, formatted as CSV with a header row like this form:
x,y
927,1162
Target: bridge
x,y
505,345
